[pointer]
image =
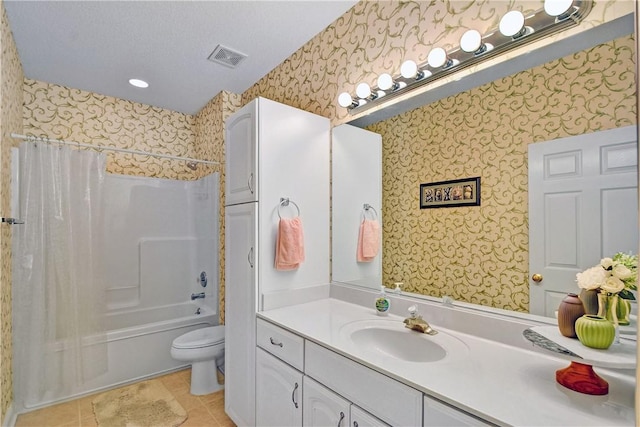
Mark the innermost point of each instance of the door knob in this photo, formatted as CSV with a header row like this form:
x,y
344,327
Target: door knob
x,y
537,278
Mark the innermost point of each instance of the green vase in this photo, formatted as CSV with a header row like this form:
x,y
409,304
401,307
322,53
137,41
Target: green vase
x,y
608,307
623,311
595,331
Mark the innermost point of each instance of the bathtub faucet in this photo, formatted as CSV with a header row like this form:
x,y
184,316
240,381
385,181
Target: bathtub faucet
x,y
197,296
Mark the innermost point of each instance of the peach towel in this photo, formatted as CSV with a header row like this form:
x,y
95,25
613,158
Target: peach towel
x,y
368,240
289,244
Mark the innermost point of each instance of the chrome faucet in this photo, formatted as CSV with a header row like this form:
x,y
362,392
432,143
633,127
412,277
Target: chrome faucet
x,y
197,296
417,323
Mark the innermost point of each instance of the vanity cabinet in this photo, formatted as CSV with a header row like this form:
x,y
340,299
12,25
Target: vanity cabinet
x,y
322,407
361,418
335,390
278,392
386,398
438,414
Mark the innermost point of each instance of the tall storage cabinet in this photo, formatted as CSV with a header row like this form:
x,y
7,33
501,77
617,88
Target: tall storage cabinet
x,y
273,152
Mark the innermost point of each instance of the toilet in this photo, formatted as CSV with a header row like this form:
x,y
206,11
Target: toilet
x,y
204,349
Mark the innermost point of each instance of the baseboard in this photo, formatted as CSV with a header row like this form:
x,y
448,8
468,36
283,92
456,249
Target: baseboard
x,y
10,417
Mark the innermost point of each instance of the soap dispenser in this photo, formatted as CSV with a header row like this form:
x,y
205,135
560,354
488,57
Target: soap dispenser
x,y
382,303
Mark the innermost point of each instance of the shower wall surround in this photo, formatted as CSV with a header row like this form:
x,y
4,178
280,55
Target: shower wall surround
x,y
12,77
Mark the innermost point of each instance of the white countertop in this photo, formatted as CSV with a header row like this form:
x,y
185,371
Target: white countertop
x,y
499,383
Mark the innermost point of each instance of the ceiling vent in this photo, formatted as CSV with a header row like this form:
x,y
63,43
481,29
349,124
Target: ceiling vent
x,y
227,57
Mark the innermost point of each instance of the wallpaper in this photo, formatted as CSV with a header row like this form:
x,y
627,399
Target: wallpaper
x,y
59,112
210,145
374,37
480,254
10,121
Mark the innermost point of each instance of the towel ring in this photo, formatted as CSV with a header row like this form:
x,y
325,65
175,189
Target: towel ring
x,y
366,207
285,202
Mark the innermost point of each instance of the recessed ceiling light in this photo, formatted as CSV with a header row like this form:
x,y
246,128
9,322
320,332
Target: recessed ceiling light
x,y
138,83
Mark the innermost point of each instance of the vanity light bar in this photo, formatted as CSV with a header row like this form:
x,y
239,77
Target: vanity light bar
x,y
514,30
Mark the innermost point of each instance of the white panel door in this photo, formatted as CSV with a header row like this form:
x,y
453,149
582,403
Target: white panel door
x,y
241,183
322,407
356,162
278,392
583,206
240,312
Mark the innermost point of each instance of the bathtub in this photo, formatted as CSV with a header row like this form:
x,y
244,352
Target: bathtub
x,y
138,346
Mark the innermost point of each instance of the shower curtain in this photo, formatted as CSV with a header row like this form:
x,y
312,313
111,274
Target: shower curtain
x,y
58,294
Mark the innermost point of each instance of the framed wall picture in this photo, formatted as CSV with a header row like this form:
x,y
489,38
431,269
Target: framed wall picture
x,y
448,194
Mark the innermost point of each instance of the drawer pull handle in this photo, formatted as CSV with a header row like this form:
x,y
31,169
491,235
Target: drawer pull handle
x,y
274,342
250,257
355,424
341,418
250,183
293,396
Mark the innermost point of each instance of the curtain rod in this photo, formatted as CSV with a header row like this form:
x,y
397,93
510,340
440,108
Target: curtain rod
x,y
101,147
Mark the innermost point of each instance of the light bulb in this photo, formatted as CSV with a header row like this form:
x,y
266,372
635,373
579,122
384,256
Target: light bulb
x,y
409,70
345,100
363,91
512,23
471,41
385,82
437,58
557,7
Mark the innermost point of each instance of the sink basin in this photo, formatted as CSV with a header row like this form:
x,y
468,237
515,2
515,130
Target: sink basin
x,y
400,344
390,339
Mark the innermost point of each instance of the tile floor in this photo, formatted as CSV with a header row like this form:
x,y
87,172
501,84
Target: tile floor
x,y
204,411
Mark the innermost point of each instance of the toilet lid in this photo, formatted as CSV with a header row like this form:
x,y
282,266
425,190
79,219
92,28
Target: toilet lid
x,y
203,337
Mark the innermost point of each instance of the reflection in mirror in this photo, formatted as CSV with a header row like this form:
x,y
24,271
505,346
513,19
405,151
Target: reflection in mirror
x,y
356,162
481,254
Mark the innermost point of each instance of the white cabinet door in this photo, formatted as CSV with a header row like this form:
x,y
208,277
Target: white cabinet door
x,y
361,418
322,407
241,154
437,414
240,312
583,206
278,392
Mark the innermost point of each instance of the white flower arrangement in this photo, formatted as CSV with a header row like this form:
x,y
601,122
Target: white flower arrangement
x,y
617,275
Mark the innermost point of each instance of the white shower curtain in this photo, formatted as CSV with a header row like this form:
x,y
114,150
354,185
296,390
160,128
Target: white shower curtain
x,y
58,293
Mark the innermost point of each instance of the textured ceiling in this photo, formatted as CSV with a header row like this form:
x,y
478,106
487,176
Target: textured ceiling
x,y
99,45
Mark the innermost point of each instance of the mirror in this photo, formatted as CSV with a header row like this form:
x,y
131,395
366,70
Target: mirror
x,y
480,254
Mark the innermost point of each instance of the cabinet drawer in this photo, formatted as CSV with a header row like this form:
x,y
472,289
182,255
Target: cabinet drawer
x,y
383,397
281,343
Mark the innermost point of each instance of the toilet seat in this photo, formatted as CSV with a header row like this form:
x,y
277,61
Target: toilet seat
x,y
204,337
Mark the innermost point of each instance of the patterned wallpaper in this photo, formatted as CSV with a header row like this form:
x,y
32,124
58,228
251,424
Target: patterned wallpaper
x,y
376,36
371,38
210,145
10,121
480,254
71,114
59,112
